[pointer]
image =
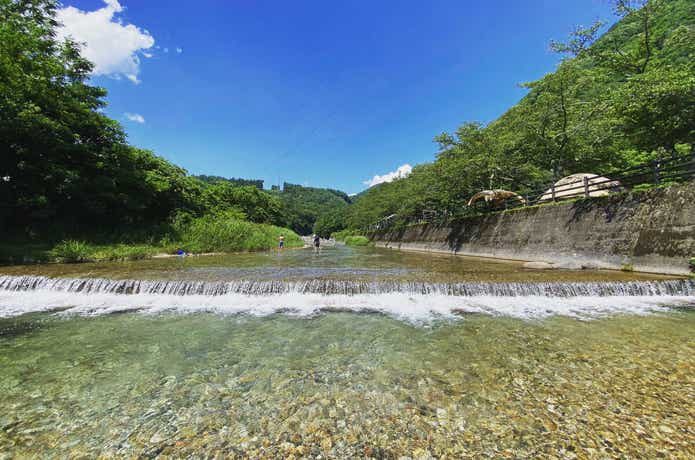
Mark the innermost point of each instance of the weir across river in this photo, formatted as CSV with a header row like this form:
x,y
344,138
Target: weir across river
x,y
346,287
193,356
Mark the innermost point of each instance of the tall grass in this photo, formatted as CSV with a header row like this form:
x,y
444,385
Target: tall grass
x,y
212,233
72,251
224,234
344,234
125,252
351,238
357,240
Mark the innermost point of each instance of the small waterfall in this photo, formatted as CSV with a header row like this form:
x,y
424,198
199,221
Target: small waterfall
x,y
683,288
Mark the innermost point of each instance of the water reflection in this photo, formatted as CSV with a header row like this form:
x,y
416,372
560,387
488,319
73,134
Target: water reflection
x,y
338,262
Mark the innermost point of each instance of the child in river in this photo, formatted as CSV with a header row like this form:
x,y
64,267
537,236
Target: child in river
x,y
317,243
282,241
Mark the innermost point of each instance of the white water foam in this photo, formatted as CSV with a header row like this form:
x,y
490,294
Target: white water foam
x,y
411,307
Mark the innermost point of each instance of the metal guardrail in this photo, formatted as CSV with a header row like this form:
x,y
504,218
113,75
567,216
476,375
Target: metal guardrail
x,y
655,172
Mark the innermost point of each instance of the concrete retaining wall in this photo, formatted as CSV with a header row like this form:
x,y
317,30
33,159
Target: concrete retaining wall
x,y
652,231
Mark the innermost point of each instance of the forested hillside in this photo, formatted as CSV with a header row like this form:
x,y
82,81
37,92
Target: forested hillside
x,y
615,100
67,170
303,205
258,183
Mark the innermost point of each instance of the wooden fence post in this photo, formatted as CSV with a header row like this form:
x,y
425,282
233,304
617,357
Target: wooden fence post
x,y
586,187
552,191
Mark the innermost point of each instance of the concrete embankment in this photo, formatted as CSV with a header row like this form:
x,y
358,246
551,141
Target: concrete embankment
x,y
652,231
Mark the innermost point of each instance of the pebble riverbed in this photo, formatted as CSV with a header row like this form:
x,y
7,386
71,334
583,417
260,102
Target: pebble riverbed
x,y
345,385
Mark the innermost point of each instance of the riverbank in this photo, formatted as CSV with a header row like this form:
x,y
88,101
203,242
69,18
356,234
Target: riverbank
x,y
203,236
651,231
351,238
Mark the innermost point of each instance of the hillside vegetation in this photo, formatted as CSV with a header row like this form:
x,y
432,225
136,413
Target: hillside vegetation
x,y
614,101
303,205
70,183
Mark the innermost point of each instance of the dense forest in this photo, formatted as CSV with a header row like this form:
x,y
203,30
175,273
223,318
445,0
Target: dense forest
x,y
615,100
303,205
67,170
258,183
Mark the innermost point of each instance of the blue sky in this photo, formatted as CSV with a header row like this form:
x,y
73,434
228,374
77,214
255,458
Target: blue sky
x,y
326,94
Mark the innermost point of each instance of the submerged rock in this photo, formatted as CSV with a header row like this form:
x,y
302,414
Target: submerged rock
x,y
540,266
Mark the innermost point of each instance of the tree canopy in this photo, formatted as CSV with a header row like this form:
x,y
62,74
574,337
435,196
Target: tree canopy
x,y
65,167
615,100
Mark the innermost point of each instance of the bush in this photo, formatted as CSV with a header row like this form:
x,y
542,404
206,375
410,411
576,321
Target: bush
x,y
125,252
72,251
344,234
357,240
221,233
691,264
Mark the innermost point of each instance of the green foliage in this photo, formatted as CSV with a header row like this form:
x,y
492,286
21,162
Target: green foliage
x,y
344,234
691,264
357,240
237,182
620,99
302,206
627,268
68,173
72,251
247,202
211,233
225,233
66,164
657,108
124,252
331,222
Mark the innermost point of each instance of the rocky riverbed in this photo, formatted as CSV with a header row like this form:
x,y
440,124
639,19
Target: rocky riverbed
x,y
347,385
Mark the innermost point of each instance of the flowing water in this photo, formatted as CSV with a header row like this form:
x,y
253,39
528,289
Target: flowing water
x,y
349,353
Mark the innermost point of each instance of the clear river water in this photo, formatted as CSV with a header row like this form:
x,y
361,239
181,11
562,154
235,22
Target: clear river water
x,y
350,353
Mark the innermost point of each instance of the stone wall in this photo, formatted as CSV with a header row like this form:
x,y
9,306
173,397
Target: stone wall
x,y
651,231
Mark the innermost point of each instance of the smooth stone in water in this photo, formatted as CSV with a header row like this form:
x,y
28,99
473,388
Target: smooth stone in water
x,y
540,266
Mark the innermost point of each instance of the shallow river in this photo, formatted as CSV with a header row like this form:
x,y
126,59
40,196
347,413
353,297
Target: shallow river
x,y
349,353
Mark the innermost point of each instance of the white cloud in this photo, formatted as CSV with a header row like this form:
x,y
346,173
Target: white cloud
x,y
136,117
402,171
179,50
113,47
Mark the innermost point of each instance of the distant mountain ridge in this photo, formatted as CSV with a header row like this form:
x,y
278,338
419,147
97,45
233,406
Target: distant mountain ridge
x,y
258,183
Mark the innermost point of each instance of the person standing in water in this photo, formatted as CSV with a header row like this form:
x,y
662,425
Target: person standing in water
x,y
317,243
282,241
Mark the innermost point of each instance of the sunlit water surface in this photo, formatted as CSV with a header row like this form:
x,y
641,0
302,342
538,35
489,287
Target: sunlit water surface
x,y
338,262
572,382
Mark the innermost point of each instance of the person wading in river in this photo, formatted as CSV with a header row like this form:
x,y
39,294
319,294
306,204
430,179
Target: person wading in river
x,y
282,241
317,243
